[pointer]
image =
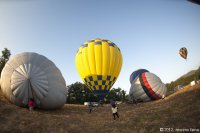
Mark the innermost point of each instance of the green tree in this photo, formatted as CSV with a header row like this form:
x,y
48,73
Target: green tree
x,y
79,93
4,58
123,95
116,94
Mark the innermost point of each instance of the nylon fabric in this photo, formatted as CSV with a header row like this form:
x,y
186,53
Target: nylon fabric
x,y
98,57
30,75
146,87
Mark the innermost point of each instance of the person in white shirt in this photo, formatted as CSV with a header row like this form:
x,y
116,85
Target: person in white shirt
x,y
114,111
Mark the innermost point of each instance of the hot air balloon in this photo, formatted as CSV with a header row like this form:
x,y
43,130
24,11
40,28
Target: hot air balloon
x,y
183,52
98,63
30,75
147,87
136,73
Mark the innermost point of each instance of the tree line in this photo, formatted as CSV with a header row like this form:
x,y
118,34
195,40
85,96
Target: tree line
x,y
79,93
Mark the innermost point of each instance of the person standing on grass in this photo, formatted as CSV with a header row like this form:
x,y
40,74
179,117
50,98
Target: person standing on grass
x,y
90,107
31,104
114,111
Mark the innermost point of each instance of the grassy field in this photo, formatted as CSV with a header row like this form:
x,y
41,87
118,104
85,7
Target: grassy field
x,y
179,111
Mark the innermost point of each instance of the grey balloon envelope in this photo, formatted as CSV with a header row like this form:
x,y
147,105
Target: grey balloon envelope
x,y
147,87
30,75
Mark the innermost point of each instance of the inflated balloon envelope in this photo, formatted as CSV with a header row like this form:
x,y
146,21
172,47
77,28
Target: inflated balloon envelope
x,y
98,63
183,52
30,75
136,73
146,87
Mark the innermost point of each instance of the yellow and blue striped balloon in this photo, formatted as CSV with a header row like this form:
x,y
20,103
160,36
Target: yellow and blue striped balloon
x,y
98,63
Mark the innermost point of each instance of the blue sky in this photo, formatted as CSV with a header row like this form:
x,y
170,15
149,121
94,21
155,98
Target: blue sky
x,y
149,33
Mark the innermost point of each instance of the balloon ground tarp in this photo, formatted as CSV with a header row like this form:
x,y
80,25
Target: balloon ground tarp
x,y
30,75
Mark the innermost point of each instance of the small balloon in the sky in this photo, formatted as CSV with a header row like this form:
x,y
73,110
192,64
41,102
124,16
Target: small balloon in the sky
x,y
183,52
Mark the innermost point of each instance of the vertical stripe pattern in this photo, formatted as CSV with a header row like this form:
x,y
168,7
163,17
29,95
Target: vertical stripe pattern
x,y
98,63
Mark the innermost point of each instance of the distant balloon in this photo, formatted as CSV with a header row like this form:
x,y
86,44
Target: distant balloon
x,y
147,87
98,63
136,74
183,52
30,75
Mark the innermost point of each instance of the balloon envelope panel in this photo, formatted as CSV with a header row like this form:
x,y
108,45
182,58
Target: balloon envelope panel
x,y
136,74
147,87
30,75
98,63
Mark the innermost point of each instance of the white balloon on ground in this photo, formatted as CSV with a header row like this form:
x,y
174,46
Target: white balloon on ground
x,y
146,87
30,75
